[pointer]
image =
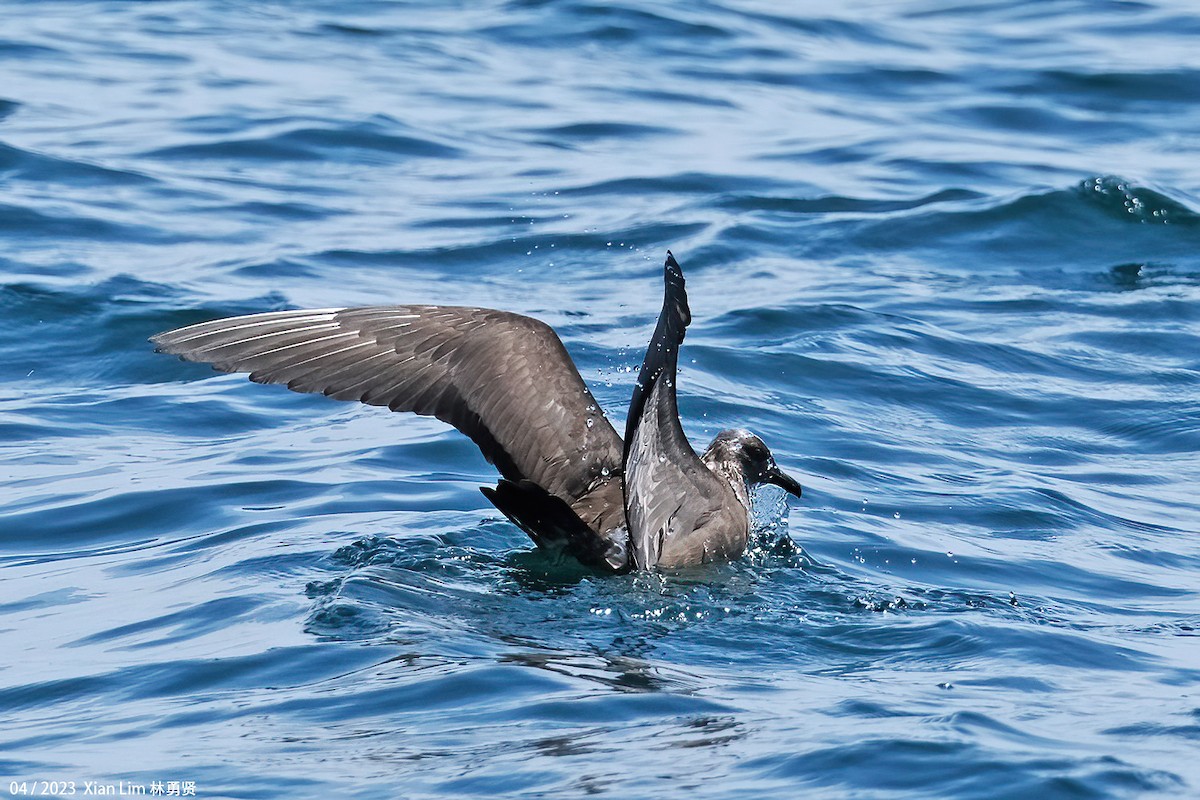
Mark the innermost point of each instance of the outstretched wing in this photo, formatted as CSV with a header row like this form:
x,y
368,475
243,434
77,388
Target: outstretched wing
x,y
503,379
662,354
671,497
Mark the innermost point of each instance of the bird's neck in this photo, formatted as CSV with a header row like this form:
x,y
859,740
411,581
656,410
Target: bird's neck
x,y
733,474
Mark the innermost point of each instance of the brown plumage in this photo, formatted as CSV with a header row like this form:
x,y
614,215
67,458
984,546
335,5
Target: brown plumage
x,y
507,382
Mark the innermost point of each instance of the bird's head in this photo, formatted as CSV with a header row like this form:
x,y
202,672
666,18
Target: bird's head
x,y
752,457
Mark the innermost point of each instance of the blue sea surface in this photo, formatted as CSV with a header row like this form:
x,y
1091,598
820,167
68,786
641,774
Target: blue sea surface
x,y
944,257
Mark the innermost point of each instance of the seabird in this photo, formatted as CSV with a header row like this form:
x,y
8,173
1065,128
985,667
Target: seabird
x,y
505,380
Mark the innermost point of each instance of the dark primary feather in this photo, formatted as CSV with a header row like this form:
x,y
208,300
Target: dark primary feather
x,y
503,379
662,354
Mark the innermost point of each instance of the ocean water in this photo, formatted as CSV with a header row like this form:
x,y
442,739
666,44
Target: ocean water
x,y
943,256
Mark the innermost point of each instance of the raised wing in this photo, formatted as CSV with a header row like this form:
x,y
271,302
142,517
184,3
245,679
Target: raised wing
x,y
503,379
671,498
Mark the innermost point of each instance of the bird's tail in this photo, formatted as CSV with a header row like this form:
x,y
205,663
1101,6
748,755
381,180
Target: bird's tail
x,y
554,526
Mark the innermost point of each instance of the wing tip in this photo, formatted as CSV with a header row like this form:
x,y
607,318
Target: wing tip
x,y
163,343
676,291
662,352
176,337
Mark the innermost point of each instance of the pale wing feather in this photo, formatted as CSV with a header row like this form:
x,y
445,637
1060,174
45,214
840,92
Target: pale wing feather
x,y
503,379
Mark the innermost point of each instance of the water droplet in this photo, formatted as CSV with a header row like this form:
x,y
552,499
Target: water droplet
x,y
604,472
590,422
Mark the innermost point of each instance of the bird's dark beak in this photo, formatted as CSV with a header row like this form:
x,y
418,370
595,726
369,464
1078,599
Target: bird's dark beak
x,y
776,476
